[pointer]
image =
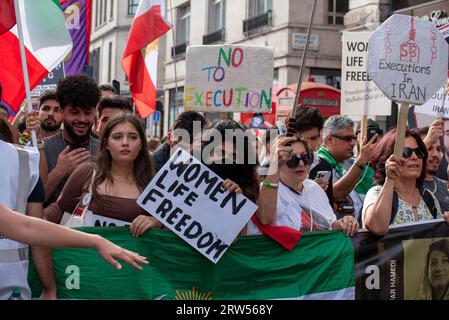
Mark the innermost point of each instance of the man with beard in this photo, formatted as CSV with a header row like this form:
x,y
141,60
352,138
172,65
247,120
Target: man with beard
x,y
339,142
48,121
50,114
78,97
431,138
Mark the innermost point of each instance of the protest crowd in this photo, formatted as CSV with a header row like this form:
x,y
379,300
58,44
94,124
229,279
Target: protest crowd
x,y
93,166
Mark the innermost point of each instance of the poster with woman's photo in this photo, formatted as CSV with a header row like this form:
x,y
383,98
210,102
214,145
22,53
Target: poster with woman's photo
x,y
409,263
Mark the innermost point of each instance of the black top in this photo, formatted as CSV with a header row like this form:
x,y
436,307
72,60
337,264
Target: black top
x,y
323,165
38,193
161,155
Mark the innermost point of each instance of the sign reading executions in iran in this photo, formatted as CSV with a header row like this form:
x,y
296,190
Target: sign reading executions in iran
x,y
408,59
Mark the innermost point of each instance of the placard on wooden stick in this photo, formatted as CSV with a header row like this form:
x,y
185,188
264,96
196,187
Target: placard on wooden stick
x,y
407,59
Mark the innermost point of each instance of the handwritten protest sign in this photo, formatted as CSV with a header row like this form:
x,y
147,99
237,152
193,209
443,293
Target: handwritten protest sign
x,y
408,58
359,94
438,105
229,78
190,200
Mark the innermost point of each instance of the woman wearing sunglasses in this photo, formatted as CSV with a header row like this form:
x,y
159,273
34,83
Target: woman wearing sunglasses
x,y
287,198
398,196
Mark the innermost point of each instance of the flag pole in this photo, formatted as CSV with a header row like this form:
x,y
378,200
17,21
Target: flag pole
x,y
24,67
303,60
174,54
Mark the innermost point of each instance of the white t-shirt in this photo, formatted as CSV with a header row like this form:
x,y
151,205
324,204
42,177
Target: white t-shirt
x,y
301,210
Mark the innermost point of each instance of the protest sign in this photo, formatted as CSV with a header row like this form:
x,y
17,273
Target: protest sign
x,y
359,94
406,59
437,105
229,78
406,56
190,200
50,82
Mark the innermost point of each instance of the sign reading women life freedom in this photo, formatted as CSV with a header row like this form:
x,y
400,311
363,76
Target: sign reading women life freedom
x,y
189,199
408,59
224,78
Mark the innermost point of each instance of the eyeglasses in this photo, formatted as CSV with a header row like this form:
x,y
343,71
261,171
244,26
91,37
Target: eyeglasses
x,y
407,153
306,158
345,138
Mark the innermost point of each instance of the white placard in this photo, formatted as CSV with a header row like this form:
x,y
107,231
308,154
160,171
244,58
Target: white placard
x,y
229,78
408,59
438,105
190,200
359,94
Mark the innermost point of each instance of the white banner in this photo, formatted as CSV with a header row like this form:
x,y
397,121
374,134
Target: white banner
x,y
229,78
190,200
359,94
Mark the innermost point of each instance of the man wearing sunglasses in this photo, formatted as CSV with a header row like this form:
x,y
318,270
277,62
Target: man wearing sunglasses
x,y
349,185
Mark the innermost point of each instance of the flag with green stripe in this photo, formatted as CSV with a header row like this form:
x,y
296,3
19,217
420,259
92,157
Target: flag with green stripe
x,y
320,267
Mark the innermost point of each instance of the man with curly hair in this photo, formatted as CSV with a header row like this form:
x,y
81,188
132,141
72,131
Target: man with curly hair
x,y
78,97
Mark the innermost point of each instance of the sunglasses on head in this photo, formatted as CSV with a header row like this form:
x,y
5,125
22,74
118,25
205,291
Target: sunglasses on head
x,y
306,158
345,138
407,153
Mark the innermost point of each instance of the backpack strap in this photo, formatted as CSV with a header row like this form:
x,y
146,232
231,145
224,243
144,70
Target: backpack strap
x,y
394,207
430,202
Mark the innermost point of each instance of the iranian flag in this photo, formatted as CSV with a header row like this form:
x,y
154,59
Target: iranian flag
x,y
140,58
47,42
321,266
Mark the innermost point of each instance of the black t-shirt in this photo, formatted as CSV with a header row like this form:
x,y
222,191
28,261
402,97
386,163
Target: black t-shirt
x,y
38,193
323,165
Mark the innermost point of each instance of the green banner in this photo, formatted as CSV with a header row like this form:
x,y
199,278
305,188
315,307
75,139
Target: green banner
x,y
320,267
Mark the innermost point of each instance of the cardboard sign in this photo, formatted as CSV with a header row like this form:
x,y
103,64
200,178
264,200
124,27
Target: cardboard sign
x,y
408,59
359,94
438,105
190,200
229,78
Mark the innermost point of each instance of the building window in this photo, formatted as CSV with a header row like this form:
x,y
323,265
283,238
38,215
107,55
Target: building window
x,y
176,105
276,76
132,7
105,12
216,15
336,11
111,11
95,62
97,10
110,62
259,16
100,13
183,25
330,77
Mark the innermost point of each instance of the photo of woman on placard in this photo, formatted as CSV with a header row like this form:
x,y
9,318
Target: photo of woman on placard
x,y
436,272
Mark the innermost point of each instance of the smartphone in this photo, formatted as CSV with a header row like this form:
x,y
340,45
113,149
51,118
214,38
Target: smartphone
x,y
281,127
370,133
324,175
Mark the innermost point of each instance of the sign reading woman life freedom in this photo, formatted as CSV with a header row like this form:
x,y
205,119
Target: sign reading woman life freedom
x,y
226,78
408,59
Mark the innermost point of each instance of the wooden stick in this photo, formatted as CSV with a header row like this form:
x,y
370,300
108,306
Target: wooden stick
x,y
363,128
400,130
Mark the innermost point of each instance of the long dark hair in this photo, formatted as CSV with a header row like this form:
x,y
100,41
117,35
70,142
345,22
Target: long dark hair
x,y
143,164
5,131
245,175
385,149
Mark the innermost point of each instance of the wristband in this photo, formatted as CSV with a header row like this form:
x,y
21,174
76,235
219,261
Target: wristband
x,y
269,184
359,165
